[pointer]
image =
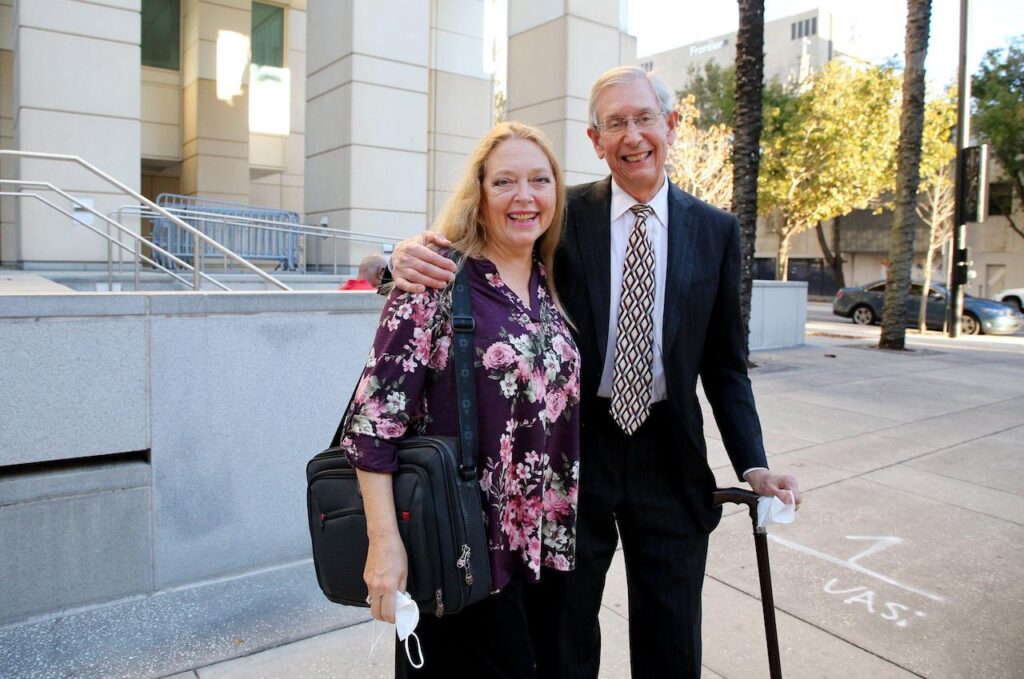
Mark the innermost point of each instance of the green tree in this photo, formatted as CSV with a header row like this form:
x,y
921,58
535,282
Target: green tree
x,y
901,246
998,91
713,87
827,149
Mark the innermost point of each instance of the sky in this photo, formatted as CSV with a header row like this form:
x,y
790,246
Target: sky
x,y
877,26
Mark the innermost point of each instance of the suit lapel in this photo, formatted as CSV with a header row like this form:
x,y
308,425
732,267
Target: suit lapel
x,y
682,230
594,237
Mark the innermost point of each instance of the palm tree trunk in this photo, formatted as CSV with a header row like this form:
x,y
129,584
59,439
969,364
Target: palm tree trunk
x,y
746,155
901,245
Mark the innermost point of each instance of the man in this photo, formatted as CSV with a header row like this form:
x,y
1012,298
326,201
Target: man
x,y
371,270
650,277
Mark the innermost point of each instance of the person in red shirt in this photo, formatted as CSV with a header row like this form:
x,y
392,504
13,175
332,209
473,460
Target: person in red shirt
x,y
370,271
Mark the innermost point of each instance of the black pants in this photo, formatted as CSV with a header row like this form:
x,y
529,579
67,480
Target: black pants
x,y
636,487
507,635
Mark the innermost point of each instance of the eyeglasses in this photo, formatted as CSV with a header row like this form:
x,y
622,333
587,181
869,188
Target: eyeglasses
x,y
616,126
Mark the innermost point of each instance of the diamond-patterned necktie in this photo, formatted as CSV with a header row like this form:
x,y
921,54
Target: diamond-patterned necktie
x,y
634,342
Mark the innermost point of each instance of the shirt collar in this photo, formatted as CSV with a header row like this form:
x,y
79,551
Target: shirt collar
x,y
622,202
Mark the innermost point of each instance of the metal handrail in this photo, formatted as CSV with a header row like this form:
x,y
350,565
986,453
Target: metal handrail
x,y
271,225
198,235
110,240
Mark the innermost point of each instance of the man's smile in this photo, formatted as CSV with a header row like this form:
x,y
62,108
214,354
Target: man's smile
x,y
637,157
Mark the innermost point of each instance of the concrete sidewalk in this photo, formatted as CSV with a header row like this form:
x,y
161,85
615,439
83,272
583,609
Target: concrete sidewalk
x,y
906,559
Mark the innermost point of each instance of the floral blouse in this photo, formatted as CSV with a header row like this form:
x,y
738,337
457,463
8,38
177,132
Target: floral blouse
x,y
527,389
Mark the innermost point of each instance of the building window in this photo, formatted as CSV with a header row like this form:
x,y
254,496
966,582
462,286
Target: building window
x,y
814,25
267,35
161,33
1000,198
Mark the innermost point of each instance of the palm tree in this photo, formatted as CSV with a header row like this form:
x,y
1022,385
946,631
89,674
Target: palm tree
x,y
901,245
746,154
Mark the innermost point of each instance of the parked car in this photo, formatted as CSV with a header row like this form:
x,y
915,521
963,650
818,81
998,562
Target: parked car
x,y
1014,297
863,304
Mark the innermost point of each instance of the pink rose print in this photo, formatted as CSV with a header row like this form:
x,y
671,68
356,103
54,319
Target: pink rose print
x,y
499,355
528,464
555,505
439,359
563,348
554,404
372,408
505,449
361,389
421,345
389,429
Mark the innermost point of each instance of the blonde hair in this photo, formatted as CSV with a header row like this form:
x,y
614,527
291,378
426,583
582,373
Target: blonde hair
x,y
461,220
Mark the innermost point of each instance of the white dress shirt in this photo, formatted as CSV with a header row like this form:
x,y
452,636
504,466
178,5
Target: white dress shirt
x,y
622,221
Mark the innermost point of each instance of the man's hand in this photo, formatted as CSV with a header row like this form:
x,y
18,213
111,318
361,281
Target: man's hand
x,y
764,482
416,265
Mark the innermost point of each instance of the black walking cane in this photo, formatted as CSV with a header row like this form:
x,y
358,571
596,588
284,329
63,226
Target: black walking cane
x,y
746,497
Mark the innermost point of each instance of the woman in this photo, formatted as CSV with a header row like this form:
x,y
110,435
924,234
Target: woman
x,y
504,222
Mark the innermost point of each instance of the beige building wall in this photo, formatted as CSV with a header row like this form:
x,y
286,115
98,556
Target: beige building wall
x,y
555,52
277,162
76,91
788,56
215,129
8,246
461,104
161,114
367,78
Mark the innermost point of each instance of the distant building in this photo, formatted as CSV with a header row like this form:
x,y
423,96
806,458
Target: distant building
x,y
793,47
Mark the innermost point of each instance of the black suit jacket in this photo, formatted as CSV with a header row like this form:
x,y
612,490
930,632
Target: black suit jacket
x,y
702,325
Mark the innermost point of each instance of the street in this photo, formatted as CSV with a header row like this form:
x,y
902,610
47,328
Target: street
x,y
823,323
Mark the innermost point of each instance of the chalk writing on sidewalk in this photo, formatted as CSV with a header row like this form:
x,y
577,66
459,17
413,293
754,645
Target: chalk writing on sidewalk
x,y
891,611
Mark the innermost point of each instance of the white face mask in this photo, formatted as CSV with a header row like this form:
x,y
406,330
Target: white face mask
x,y
407,616
771,510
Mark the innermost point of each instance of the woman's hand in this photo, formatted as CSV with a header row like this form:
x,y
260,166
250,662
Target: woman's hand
x,y
415,265
387,565
387,568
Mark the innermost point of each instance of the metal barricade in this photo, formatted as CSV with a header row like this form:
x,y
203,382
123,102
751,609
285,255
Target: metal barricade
x,y
246,239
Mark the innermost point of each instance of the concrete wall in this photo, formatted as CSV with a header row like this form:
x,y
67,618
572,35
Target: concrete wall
x,y
154,440
778,313
160,439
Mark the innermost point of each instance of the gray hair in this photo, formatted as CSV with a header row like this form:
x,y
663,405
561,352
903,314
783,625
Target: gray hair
x,y
624,74
371,266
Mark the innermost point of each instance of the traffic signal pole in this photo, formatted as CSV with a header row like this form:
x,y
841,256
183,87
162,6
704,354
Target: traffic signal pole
x,y
958,272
